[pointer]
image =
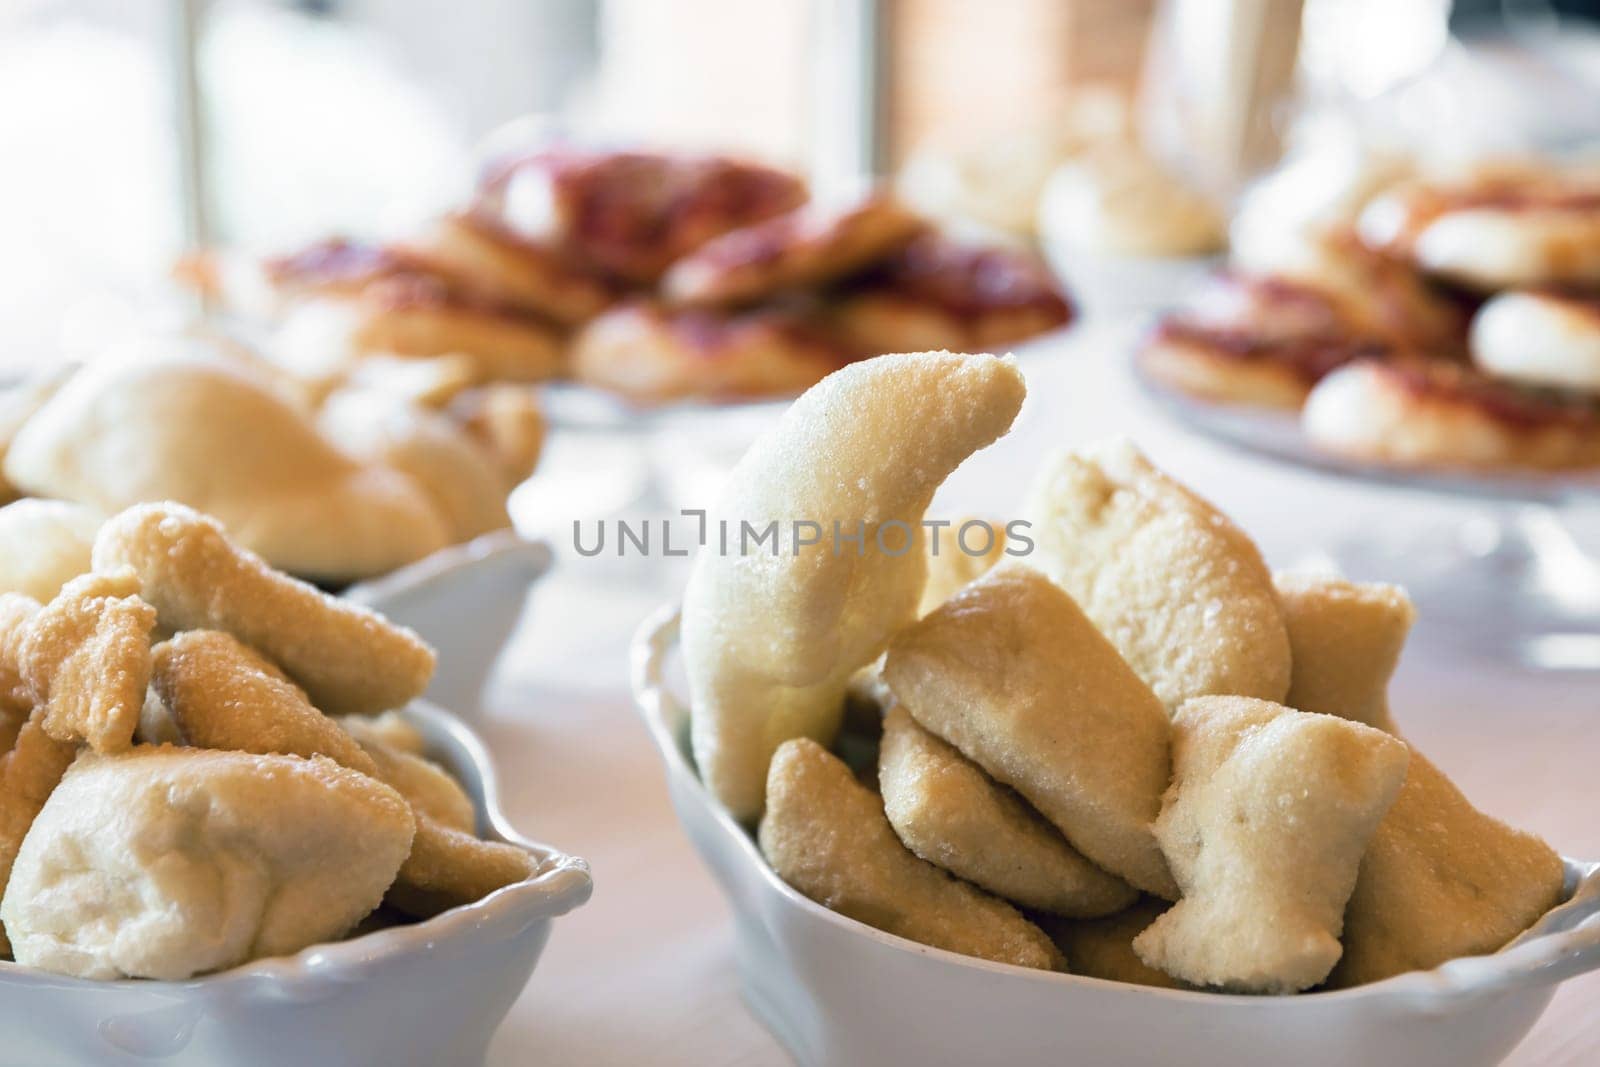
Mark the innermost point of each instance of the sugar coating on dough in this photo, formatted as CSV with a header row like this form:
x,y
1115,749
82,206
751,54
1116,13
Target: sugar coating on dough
x,y
427,787
165,863
1441,880
86,659
347,658
1345,638
1180,590
44,544
947,811
952,566
1264,826
1017,678
28,773
1103,948
826,835
772,637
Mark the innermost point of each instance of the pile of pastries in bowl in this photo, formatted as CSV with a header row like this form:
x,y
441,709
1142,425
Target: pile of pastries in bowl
x,y
1103,738
202,761
654,276
1450,320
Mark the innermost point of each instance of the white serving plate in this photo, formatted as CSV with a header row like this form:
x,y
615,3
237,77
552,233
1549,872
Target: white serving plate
x,y
422,995
838,992
465,601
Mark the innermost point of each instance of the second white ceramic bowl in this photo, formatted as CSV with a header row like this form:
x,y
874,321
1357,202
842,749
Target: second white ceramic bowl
x,y
838,992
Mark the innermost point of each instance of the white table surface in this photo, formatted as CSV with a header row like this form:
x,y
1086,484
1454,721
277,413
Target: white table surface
x,y
645,973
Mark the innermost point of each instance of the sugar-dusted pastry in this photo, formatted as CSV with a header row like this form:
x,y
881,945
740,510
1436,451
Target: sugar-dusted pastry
x,y
1264,826
1180,590
1013,674
427,787
937,293
651,354
204,429
810,246
960,553
464,481
947,811
771,638
29,772
825,834
1505,227
1439,880
632,214
347,658
1345,640
86,660
166,863
1103,948
390,729
44,544
1438,414
1540,338
473,253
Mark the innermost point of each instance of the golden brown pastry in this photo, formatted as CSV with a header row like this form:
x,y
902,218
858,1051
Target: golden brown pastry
x,y
1264,826
505,420
825,834
1180,590
1014,675
1345,640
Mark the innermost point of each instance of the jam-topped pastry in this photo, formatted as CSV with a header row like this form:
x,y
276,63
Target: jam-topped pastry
x,y
632,214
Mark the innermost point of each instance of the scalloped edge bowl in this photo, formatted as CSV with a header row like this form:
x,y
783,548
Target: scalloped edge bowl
x,y
427,993
836,991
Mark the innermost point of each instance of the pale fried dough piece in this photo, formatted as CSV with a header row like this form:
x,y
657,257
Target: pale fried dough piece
x,y
1014,675
1179,589
224,695
507,421
953,565
428,787
347,658
86,659
826,835
1269,812
948,812
1345,638
1103,948
44,544
388,728
16,699
1440,880
770,641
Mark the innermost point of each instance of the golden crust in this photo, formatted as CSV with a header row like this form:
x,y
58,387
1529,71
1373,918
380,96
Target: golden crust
x,y
347,659
1013,674
1264,826
826,835
948,812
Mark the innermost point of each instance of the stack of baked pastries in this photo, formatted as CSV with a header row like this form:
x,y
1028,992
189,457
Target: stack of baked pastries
x,y
1455,324
651,275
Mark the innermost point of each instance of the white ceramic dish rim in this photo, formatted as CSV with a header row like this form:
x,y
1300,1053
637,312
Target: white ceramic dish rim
x,y
560,883
1565,942
443,564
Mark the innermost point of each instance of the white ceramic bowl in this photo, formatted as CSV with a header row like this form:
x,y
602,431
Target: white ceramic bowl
x,y
465,601
836,991
425,994
1110,286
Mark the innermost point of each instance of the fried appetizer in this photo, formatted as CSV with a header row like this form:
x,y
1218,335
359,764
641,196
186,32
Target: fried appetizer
x,y
463,480
166,863
389,729
632,214
1180,590
44,544
1345,639
1013,674
825,834
29,773
86,659
948,812
1540,338
348,659
1264,826
808,247
652,354
1439,880
960,553
427,787
1436,414
472,253
197,427
16,698
940,294
1103,948
770,641
1504,228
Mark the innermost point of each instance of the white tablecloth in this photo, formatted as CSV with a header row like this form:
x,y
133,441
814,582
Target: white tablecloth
x,y
645,974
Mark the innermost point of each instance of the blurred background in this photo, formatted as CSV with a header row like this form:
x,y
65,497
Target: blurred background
x,y
130,129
